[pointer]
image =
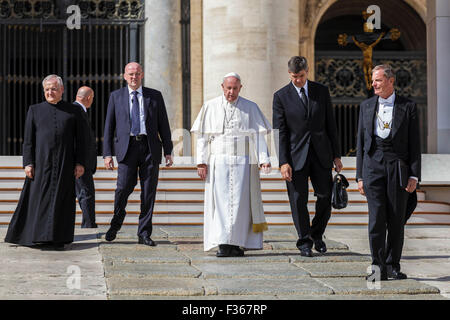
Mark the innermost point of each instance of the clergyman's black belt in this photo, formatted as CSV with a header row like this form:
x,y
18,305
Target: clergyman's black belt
x,y
138,137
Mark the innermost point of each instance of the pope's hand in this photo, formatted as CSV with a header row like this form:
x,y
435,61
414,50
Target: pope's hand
x,y
202,171
266,168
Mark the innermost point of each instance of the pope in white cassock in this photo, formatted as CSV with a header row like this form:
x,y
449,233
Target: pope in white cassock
x,y
230,144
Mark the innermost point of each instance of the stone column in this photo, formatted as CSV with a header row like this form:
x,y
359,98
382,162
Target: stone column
x,y
438,48
162,55
254,38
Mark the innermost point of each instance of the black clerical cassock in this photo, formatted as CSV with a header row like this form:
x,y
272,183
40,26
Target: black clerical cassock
x,y
53,144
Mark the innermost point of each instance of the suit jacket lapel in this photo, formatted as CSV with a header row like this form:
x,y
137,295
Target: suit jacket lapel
x,y
370,114
398,115
295,98
312,97
125,102
147,105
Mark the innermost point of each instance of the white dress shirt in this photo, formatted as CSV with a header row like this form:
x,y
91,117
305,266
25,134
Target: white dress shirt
x,y
299,89
141,107
385,116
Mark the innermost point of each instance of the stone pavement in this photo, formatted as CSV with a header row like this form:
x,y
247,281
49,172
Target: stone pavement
x,y
177,268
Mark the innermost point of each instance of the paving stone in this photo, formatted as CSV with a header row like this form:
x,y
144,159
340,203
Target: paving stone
x,y
89,286
151,270
158,286
330,257
360,286
133,246
302,286
212,270
291,245
184,232
48,268
130,233
153,255
52,297
251,256
336,269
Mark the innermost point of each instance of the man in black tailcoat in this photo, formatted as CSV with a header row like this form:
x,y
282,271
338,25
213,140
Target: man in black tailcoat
x,y
388,148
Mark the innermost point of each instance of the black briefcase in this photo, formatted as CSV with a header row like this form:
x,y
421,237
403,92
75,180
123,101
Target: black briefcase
x,y
339,197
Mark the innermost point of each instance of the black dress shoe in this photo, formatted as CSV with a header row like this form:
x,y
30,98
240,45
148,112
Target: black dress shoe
x,y
110,235
320,246
306,252
235,251
224,251
397,275
147,241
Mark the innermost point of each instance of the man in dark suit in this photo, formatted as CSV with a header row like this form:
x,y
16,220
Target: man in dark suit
x,y
138,116
388,131
308,148
84,186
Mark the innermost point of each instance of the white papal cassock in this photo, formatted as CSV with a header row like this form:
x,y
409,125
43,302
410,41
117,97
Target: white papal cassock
x,y
231,140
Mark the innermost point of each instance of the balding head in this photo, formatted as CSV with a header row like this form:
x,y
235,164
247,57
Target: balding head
x,y
85,95
133,75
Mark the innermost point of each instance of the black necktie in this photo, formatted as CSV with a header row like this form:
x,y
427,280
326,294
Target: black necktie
x,y
135,115
304,100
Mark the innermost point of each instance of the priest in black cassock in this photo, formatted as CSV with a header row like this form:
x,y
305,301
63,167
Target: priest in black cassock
x,y
53,157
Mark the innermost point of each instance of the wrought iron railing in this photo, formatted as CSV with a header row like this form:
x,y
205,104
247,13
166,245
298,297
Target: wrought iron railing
x,y
35,42
342,72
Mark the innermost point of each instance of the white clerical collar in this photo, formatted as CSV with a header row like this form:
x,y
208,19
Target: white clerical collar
x,y
82,105
299,89
390,100
139,90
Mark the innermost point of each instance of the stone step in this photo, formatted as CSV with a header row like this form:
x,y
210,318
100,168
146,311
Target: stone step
x,y
269,205
272,218
191,194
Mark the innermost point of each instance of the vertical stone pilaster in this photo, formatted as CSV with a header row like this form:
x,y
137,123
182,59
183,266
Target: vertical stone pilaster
x,y
162,55
254,38
438,47
196,57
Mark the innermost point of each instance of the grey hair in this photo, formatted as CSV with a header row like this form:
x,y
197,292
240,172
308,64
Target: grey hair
x,y
387,70
53,76
297,64
231,74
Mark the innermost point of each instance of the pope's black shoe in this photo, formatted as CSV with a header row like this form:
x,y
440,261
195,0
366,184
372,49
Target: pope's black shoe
x,y
235,251
320,246
110,234
224,251
147,241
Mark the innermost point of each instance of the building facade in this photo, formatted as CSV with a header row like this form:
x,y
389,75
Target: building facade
x,y
186,46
